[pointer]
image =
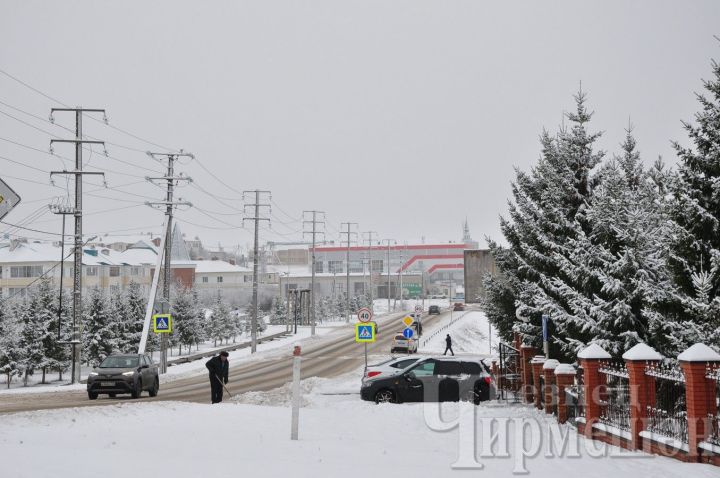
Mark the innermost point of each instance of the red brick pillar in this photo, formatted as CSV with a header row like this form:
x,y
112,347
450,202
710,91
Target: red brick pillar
x,y
564,378
536,365
550,387
526,354
517,340
593,383
642,388
699,392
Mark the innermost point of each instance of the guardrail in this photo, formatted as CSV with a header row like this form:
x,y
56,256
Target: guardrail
x,y
229,348
444,327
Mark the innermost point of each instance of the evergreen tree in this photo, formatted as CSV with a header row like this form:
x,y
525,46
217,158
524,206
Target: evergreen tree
x,y
186,317
56,354
132,316
220,322
279,311
10,352
694,313
100,340
34,329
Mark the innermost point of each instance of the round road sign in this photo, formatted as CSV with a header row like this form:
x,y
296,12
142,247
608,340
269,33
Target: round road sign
x,y
364,315
408,333
419,309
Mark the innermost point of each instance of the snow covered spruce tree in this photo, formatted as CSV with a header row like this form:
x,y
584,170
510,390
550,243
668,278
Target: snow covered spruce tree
x,y
33,330
10,352
221,325
278,311
546,216
100,340
694,313
620,263
132,317
57,356
187,318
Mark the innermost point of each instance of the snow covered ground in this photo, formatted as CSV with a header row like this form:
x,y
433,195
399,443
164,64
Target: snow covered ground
x,y
339,436
469,335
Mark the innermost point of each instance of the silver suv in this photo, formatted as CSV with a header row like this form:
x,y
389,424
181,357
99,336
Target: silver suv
x,y
126,373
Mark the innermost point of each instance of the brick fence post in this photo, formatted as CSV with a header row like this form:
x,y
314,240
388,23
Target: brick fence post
x,y
536,364
642,388
550,387
593,385
526,354
564,378
699,393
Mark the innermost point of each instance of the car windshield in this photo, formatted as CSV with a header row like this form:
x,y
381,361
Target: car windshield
x,y
399,337
120,362
382,363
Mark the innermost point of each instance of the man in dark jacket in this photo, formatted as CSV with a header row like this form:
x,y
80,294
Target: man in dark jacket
x,y
448,345
219,368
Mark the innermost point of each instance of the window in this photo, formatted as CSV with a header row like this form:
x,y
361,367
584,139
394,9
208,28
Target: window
x,y
335,267
359,288
114,271
247,278
377,265
448,368
319,267
25,271
403,363
91,270
357,267
135,271
219,279
205,280
425,369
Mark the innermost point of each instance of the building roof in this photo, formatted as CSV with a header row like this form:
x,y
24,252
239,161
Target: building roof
x,y
210,267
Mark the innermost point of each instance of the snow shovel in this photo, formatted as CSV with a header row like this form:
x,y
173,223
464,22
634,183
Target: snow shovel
x,y
223,384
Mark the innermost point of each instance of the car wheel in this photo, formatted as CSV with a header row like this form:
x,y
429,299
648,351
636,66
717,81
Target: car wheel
x,y
137,391
155,388
92,395
385,396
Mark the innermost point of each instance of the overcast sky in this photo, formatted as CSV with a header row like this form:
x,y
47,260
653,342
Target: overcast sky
x,y
403,116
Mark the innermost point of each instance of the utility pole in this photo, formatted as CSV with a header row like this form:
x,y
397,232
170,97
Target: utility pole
x,y
314,233
388,242
402,263
63,210
369,240
256,194
170,180
77,213
348,237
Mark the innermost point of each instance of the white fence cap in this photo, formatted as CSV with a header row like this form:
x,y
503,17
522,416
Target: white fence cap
x,y
564,369
642,352
593,351
699,353
550,364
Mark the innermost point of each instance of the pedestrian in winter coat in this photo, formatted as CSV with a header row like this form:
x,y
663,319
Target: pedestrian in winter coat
x,y
218,367
448,345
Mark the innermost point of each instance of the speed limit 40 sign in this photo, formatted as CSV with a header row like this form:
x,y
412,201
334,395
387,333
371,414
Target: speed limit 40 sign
x,y
364,315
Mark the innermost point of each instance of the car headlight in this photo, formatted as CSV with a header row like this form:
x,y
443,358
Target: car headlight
x,y
129,374
92,374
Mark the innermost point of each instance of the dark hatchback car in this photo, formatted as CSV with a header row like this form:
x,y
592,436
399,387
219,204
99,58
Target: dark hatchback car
x,y
127,373
434,310
434,380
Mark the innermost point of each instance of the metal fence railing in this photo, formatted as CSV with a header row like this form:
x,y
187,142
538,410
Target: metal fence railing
x,y
615,395
668,416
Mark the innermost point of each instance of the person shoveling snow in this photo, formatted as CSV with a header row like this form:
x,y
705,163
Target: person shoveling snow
x,y
219,368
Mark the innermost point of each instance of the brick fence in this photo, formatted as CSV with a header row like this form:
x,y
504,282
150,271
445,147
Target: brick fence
x,y
642,402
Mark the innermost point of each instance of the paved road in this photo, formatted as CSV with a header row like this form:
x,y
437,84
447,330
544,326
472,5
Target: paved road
x,y
326,357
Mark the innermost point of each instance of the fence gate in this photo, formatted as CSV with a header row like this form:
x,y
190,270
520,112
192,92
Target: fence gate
x,y
508,380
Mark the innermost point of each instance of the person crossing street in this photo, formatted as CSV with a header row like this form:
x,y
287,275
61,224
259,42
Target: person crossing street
x,y
219,368
448,345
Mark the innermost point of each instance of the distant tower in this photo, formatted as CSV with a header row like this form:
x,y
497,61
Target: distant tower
x,y
467,239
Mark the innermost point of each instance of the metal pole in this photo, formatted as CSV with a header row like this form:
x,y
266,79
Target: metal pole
x,y
312,283
296,394
77,259
168,257
253,332
347,278
402,258
388,275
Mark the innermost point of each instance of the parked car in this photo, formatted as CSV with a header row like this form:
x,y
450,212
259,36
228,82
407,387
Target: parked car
x,y
399,342
126,373
391,366
434,310
443,379
458,306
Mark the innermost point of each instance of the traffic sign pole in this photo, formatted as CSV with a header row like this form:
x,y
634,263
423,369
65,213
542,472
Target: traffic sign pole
x,y
295,394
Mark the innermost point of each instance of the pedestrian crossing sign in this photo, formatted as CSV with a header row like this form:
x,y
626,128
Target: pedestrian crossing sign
x,y
162,323
364,332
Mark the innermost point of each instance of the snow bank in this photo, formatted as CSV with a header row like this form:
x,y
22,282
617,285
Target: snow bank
x,y
469,335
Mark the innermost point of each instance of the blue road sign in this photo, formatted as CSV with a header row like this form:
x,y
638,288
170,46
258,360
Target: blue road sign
x,y
162,323
545,319
408,333
365,332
